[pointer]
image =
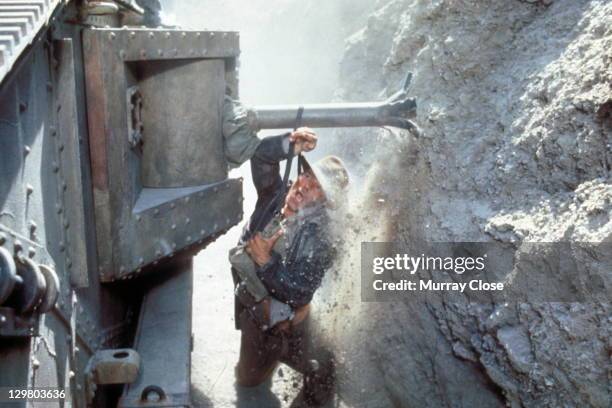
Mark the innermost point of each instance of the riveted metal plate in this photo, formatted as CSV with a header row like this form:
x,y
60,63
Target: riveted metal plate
x,y
166,309
170,192
130,44
68,148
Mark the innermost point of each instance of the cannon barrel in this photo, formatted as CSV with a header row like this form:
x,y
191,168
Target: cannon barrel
x,y
336,115
395,111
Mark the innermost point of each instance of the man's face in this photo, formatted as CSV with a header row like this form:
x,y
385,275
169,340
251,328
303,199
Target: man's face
x,y
304,192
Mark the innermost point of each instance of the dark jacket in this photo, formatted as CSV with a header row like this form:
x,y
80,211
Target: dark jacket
x,y
294,278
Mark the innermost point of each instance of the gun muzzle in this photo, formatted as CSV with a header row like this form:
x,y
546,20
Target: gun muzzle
x,y
397,111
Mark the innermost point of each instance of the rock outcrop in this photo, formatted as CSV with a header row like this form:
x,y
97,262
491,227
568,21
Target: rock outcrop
x,y
515,106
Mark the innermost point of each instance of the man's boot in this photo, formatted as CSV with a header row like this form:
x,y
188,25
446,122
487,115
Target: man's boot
x,y
319,383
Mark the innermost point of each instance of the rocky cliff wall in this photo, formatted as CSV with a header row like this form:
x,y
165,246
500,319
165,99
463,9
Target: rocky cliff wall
x,y
515,101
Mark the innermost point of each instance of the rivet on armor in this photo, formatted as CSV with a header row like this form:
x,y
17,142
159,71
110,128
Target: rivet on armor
x,y
29,189
17,247
173,226
55,167
141,260
132,34
151,35
172,205
188,238
187,221
31,252
26,150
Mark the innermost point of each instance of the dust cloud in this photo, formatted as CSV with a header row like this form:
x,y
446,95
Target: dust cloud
x,y
291,52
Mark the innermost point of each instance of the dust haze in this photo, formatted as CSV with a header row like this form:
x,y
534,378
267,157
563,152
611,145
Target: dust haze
x,y
291,52
514,104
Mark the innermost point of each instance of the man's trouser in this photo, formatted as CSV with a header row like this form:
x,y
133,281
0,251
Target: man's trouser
x,y
261,351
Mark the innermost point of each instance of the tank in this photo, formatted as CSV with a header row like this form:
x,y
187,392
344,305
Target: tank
x,y
107,191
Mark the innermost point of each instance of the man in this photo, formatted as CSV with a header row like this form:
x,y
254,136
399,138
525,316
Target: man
x,y
280,262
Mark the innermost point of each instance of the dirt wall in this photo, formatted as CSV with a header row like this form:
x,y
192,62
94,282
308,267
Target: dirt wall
x,y
514,104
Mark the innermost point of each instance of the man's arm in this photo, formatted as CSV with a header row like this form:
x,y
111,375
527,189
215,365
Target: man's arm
x,y
265,170
272,150
265,164
295,281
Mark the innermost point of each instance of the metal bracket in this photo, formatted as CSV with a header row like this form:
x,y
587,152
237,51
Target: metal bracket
x,y
135,125
14,325
112,366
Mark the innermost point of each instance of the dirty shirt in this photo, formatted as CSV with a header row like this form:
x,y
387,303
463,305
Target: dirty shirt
x,y
301,255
